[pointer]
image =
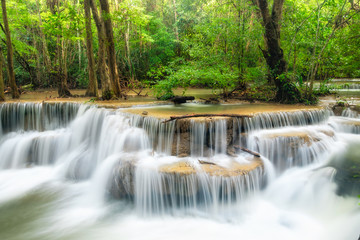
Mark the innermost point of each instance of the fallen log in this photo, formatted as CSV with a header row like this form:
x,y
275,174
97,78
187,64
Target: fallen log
x,y
181,99
172,118
205,162
247,150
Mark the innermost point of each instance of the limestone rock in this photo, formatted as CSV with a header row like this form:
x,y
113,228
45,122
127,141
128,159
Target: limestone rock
x,y
234,169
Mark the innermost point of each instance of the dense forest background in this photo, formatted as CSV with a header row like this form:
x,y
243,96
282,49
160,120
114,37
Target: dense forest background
x,y
225,45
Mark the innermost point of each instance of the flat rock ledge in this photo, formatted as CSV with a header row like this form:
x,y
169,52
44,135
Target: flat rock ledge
x,y
298,138
183,179
235,168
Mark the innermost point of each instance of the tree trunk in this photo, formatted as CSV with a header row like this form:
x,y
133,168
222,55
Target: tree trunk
x,y
102,68
2,95
78,34
63,89
110,46
45,51
273,54
14,90
37,45
127,50
176,30
92,90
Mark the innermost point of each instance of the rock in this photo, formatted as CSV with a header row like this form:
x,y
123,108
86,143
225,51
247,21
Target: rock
x,y
181,99
181,144
181,178
123,185
234,168
347,165
187,180
296,138
328,133
337,110
183,155
180,168
291,148
182,136
144,113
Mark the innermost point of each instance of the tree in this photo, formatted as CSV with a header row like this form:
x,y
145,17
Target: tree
x,y
102,67
110,46
92,90
286,91
2,95
14,90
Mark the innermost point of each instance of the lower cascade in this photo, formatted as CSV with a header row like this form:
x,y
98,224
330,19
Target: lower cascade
x,y
71,171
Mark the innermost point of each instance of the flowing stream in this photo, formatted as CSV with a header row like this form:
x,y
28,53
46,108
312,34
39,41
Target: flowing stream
x,y
71,171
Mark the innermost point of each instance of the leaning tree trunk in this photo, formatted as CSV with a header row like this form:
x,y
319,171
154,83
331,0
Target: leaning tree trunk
x,y
102,68
92,90
14,90
2,95
110,46
286,91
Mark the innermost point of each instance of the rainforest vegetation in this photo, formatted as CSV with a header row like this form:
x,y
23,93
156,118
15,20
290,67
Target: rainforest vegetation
x,y
259,48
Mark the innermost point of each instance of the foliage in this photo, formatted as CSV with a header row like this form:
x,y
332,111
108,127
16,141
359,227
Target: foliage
x,y
263,93
208,44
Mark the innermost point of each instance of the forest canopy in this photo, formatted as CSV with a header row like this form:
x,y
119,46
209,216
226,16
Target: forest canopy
x,y
230,46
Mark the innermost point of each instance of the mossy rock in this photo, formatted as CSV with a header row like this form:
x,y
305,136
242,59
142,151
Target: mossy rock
x,y
347,165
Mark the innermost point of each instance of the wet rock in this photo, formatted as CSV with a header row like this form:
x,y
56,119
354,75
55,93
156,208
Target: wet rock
x,y
328,133
233,169
355,108
296,139
123,186
349,125
291,148
183,155
183,179
181,144
183,140
181,99
337,109
347,165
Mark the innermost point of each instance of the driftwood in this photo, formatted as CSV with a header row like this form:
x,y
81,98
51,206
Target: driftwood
x,y
247,150
205,162
172,118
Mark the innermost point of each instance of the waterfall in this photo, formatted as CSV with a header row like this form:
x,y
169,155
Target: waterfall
x,y
289,147
81,172
36,116
348,112
283,119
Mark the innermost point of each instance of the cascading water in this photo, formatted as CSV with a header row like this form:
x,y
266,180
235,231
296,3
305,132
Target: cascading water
x,y
289,147
70,171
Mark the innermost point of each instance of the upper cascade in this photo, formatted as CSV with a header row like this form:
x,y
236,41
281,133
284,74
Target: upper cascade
x,y
284,119
36,116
